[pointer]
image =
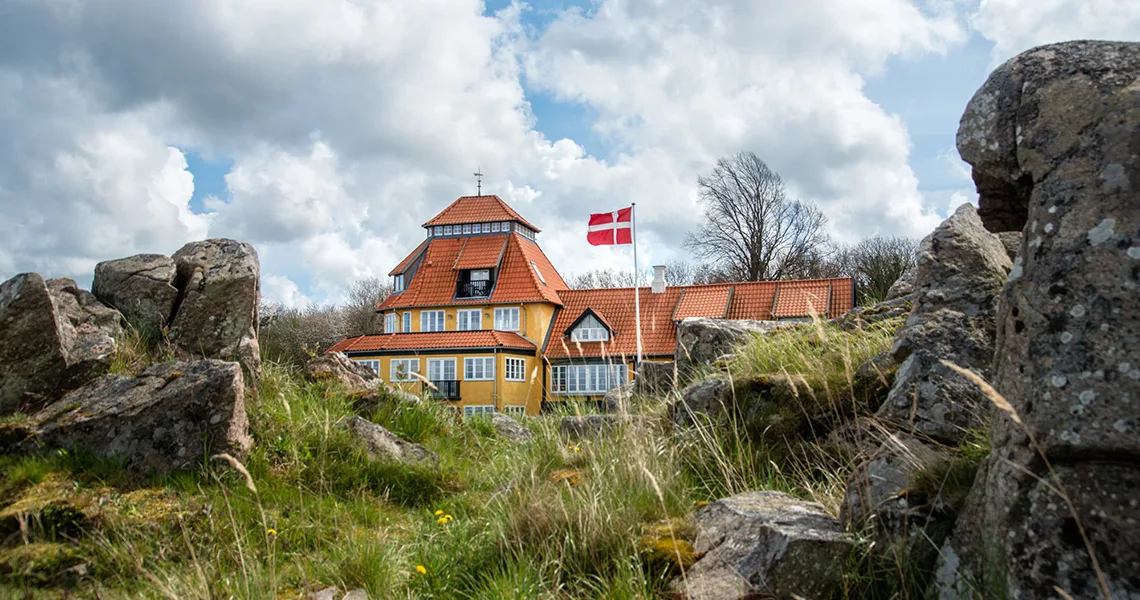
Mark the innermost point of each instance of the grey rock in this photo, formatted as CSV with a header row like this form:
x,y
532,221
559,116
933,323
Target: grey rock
x,y
620,398
761,544
706,341
1011,240
170,417
379,443
329,593
903,287
1052,138
655,378
961,270
338,367
510,429
772,409
141,287
862,317
56,337
712,398
357,594
216,315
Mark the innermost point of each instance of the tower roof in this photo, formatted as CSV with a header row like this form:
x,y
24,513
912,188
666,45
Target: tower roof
x,y
478,209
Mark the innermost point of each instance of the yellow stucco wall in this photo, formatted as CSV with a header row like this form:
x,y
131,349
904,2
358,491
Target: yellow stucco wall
x,y
534,318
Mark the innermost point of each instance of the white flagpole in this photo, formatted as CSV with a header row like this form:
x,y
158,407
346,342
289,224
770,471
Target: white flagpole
x,y
636,277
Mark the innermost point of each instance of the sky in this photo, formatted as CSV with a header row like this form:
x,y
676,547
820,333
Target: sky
x,y
325,132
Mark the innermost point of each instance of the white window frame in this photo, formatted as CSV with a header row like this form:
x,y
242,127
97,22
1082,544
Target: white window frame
x,y
447,230
408,322
507,318
371,363
439,230
495,227
442,365
479,368
537,272
481,275
478,409
590,330
410,365
594,379
514,369
463,319
506,226
466,228
515,410
432,320
398,283
390,323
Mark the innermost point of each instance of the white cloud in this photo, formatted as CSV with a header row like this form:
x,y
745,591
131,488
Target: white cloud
x,y
1015,26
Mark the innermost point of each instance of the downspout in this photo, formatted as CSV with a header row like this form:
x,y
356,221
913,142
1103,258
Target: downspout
x,y
495,381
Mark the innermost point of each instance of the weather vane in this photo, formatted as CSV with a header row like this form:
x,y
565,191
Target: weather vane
x,y
479,181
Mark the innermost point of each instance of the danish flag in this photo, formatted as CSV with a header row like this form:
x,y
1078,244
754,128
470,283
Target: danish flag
x,y
611,228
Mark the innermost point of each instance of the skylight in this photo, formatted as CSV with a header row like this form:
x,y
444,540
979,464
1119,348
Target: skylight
x,y
537,272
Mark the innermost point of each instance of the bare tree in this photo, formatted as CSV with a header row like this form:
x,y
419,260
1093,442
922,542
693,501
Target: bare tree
x,y
360,311
751,229
878,261
601,278
677,272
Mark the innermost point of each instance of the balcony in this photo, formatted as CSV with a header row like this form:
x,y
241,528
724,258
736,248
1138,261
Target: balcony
x,y
445,389
473,289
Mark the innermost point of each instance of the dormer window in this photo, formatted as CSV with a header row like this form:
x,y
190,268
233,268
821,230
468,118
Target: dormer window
x,y
447,230
590,329
474,283
494,227
398,283
537,272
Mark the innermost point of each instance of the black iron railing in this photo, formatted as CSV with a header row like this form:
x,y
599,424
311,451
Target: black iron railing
x,y
445,389
473,289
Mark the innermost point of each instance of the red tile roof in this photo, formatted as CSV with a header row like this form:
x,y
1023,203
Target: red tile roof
x,y
481,252
436,340
710,302
433,283
659,312
477,209
407,262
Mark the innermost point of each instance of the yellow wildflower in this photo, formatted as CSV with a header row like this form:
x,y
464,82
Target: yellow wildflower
x,y
438,513
270,532
575,449
421,570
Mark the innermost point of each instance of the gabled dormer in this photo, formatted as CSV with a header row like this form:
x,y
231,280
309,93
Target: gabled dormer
x,y
590,326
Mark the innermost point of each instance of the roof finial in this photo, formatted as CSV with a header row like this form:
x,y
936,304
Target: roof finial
x,y
479,181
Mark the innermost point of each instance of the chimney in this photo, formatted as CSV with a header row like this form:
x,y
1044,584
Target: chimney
x,y
658,279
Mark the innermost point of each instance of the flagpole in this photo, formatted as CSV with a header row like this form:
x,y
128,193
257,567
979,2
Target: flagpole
x,y
636,277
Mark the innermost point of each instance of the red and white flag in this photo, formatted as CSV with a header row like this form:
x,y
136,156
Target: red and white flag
x,y
611,228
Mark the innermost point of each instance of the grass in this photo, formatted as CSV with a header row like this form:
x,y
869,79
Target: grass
x,y
605,517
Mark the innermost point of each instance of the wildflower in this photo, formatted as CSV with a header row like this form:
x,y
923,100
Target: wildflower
x,y
444,520
421,570
575,449
438,513
271,531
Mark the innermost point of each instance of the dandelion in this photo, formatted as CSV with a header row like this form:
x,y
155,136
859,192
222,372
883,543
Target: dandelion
x,y
421,570
438,513
444,520
271,531
575,449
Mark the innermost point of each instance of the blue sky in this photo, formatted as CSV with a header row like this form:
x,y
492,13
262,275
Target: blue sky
x,y
326,131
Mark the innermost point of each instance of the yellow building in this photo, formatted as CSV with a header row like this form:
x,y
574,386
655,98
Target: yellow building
x,y
482,321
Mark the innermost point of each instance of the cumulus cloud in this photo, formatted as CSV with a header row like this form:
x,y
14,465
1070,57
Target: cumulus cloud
x,y
1014,26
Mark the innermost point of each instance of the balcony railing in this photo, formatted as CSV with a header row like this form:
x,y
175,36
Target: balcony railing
x,y
473,289
445,389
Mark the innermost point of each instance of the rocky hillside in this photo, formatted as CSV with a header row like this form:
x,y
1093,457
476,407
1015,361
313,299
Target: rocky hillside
x,y
973,436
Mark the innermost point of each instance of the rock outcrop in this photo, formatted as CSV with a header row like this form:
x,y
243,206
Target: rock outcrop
x,y
141,287
510,429
171,416
216,314
381,444
1052,138
903,287
765,544
707,341
593,425
56,337
338,367
961,270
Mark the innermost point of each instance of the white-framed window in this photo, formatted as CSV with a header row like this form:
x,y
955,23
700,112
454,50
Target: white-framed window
x,y
537,272
481,275
431,320
401,369
515,410
408,322
507,319
515,369
398,282
439,230
390,323
469,319
479,368
429,231
441,369
486,228
494,227
505,226
590,380
447,230
371,364
590,330
467,228
473,411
